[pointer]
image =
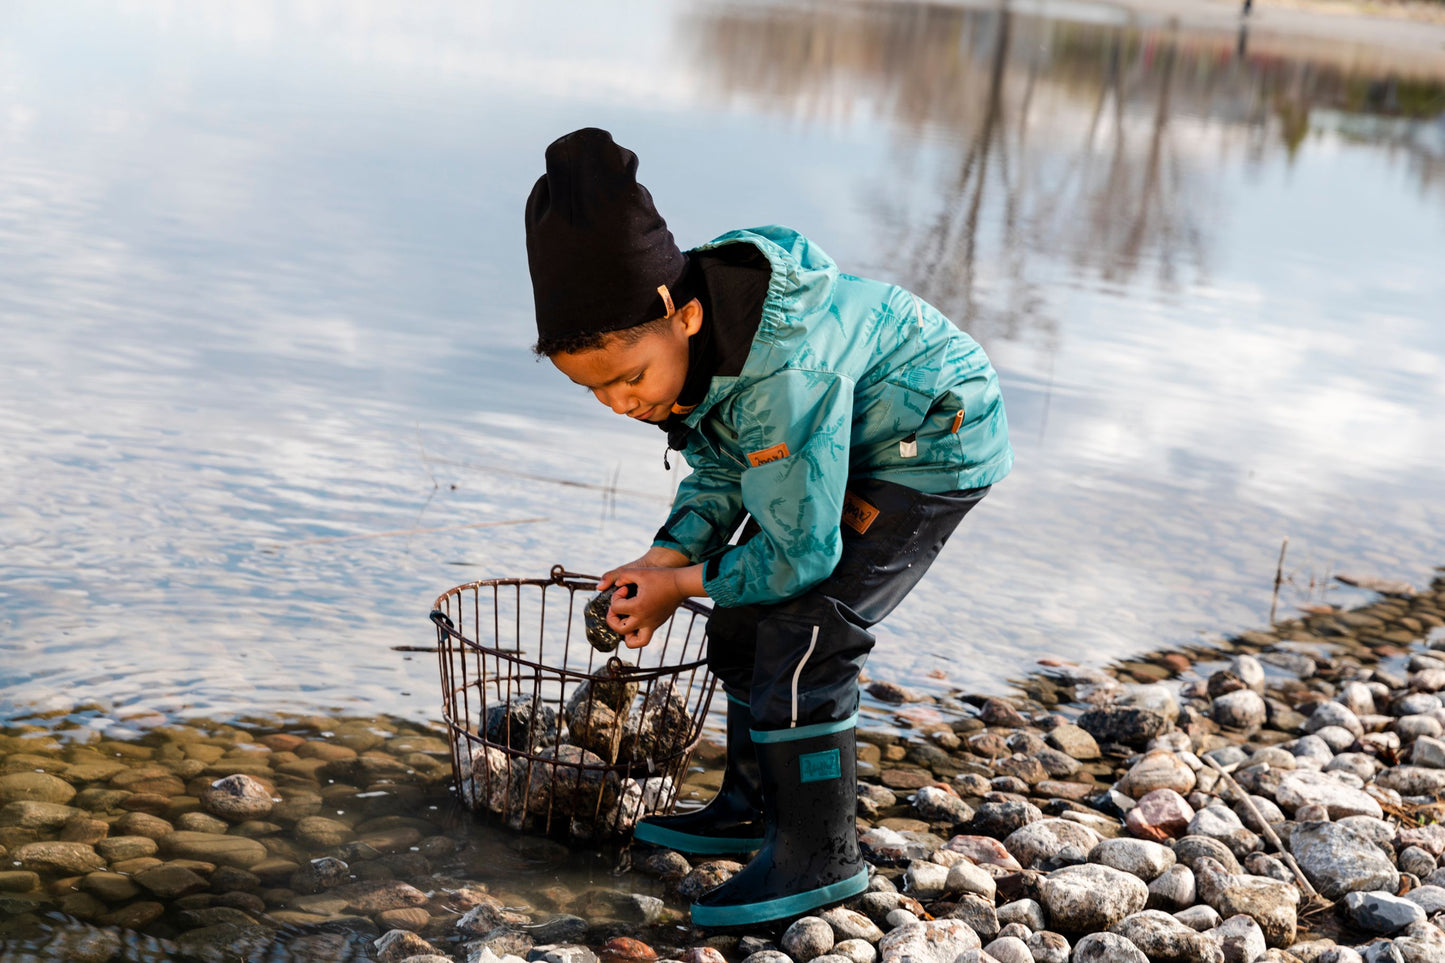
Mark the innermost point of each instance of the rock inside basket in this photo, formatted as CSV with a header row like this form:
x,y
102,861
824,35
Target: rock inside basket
x,y
609,758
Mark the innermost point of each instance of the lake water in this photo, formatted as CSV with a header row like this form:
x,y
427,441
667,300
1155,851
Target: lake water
x,y
265,387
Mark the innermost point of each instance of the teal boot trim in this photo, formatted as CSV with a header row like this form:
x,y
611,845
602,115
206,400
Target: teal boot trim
x,y
745,914
649,832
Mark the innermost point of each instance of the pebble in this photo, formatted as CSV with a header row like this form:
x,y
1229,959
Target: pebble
x,y
809,937
1382,913
1091,897
930,941
1138,857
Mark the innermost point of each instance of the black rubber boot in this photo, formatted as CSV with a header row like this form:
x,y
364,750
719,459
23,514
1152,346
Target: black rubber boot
x,y
733,821
810,852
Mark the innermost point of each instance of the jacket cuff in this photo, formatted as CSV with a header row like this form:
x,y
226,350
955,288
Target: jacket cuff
x,y
719,589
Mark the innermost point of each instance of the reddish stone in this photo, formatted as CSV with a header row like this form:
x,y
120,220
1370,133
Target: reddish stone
x,y
906,778
624,949
703,954
984,850
1160,815
282,741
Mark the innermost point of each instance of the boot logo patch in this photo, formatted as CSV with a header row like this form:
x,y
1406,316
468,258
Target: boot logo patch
x,y
820,766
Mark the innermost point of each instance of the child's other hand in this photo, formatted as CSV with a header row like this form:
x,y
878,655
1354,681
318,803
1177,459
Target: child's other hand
x,y
656,593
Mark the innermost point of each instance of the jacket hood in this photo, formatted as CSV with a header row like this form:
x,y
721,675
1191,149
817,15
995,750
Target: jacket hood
x,y
802,287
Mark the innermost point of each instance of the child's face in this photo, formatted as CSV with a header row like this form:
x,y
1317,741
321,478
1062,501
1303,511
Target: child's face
x,y
640,380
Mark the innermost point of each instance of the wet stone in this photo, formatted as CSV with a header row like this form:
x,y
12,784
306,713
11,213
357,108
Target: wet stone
x,y
110,887
171,882
396,945
34,787
412,918
141,824
58,858
18,881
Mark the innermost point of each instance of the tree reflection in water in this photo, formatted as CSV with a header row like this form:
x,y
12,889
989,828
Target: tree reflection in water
x,y
1095,143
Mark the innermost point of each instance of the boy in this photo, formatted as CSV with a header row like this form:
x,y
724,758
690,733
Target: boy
x,y
852,424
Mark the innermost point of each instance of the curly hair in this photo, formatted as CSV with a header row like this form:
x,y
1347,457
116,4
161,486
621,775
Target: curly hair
x,y
592,340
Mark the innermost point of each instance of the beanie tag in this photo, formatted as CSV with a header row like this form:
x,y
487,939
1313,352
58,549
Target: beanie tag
x,y
666,299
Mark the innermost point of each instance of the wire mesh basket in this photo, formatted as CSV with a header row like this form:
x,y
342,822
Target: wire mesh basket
x,y
549,734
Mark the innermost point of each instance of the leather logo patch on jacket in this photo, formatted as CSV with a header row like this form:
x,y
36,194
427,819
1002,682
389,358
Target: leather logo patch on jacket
x,y
858,514
776,453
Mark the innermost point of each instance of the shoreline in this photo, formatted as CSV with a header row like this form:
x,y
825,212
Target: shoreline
x,y
1396,38
1096,812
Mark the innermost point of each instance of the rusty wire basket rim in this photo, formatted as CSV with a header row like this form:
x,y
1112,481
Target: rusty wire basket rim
x,y
575,581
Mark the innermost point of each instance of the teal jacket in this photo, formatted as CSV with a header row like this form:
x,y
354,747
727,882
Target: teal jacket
x,y
846,378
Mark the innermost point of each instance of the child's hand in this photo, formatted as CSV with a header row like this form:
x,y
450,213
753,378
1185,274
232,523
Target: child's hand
x,y
655,594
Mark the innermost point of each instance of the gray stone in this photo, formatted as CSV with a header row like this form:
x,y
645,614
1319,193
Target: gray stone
x,y
1270,903
1157,769
1246,669
850,924
237,799
1009,949
1163,939
1173,889
1312,749
1428,752
1191,849
1240,939
978,913
928,941
1107,948
1416,861
889,847
1048,947
1243,710
1130,725
1339,858
1073,741
1413,780
1334,714
1202,917
1090,897
1361,764
807,937
1038,841
857,951
565,953
1137,857
1027,912
1431,898
1381,913
940,806
1301,788
965,877
925,879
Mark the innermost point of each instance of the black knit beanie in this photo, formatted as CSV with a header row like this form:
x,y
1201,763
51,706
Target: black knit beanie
x,y
597,248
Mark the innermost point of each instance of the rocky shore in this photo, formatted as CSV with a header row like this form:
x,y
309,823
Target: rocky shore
x,y
1276,800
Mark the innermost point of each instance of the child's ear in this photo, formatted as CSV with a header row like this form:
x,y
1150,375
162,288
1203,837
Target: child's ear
x,y
691,317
